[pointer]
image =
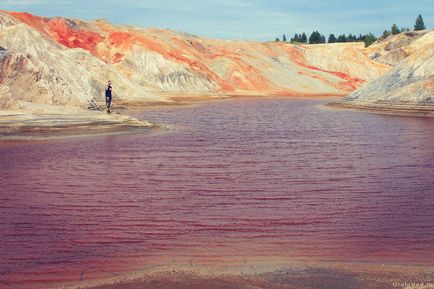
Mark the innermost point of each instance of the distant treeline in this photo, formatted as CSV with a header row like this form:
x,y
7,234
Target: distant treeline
x,y
316,37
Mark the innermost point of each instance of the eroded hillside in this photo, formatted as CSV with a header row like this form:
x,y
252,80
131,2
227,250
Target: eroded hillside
x,y
64,61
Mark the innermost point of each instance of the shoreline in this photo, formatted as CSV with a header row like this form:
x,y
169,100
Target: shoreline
x,y
73,122
189,98
19,126
415,110
46,124
267,275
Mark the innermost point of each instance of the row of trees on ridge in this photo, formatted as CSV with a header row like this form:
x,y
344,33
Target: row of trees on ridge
x,y
316,37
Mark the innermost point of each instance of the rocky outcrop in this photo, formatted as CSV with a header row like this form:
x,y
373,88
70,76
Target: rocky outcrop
x,y
409,86
396,48
6,100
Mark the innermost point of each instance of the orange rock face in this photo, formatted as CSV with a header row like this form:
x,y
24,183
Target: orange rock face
x,y
62,31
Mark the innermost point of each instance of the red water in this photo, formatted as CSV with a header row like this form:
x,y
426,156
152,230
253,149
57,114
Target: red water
x,y
231,180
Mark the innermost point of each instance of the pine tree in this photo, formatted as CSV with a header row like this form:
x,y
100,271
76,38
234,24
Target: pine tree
x,y
316,38
313,38
332,39
419,25
284,38
386,33
277,39
369,39
342,38
395,29
303,38
296,38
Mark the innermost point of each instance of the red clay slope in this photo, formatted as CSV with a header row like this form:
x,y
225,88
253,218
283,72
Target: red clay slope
x,y
62,31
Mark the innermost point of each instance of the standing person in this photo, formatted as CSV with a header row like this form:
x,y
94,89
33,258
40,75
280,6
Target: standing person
x,y
108,96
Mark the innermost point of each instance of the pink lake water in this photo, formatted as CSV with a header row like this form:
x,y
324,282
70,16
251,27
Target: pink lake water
x,y
229,181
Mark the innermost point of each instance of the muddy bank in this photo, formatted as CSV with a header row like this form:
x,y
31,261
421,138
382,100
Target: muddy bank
x,y
411,109
318,276
177,99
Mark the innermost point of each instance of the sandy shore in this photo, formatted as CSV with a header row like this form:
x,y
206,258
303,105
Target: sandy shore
x,y
272,276
45,124
387,108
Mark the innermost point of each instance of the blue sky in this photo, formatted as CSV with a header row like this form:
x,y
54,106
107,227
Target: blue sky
x,y
241,19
